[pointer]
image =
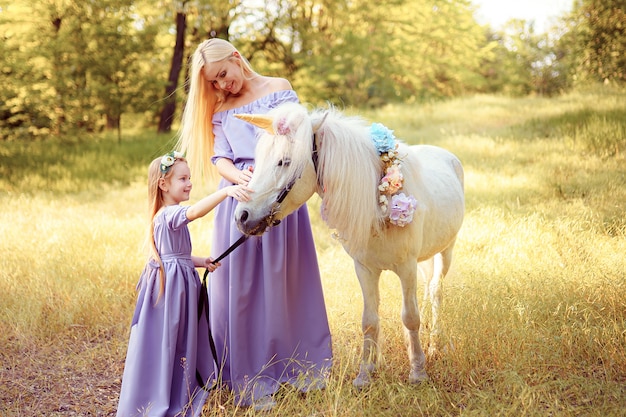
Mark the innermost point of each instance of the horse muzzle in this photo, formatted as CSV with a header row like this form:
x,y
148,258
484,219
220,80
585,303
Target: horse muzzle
x,y
254,227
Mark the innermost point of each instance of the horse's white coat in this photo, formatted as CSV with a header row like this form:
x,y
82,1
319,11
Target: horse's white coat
x,y
346,177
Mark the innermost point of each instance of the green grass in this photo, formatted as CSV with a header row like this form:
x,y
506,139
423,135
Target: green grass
x,y
534,309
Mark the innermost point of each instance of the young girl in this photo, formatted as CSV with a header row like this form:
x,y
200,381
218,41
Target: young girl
x,y
168,342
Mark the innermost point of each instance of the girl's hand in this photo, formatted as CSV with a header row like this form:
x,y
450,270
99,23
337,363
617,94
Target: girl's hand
x,y
211,266
239,192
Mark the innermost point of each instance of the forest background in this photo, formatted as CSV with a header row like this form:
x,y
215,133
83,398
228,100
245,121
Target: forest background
x,y
73,65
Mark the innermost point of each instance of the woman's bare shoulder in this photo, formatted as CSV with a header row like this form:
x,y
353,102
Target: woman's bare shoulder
x,y
262,86
278,84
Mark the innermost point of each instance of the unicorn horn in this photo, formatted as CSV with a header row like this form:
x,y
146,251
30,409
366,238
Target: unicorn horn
x,y
319,124
261,120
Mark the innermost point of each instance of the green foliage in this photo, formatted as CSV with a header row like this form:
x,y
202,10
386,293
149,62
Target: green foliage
x,y
601,41
524,62
446,59
83,66
71,65
369,53
118,44
25,92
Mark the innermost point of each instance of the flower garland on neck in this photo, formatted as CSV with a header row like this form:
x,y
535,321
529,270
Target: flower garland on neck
x,y
401,207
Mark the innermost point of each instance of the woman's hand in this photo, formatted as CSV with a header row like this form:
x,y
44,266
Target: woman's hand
x,y
244,176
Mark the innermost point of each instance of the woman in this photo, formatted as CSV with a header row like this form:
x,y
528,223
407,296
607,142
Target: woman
x,y
266,301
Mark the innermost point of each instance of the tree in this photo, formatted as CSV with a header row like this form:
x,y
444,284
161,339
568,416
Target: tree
x,y
169,108
207,20
601,40
23,109
117,45
72,64
368,53
82,65
522,56
437,47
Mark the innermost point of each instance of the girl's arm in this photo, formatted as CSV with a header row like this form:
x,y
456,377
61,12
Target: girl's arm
x,y
208,203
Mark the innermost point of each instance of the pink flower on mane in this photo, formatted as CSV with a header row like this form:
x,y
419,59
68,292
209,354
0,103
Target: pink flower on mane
x,y
393,178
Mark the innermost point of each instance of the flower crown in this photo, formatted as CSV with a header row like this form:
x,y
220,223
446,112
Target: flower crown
x,y
402,206
168,160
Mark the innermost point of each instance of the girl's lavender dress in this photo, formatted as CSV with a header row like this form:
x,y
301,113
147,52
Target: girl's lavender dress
x,y
268,315
165,337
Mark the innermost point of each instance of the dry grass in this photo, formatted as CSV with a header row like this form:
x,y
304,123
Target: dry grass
x,y
534,308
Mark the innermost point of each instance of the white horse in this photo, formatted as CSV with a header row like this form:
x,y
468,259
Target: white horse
x,y
335,156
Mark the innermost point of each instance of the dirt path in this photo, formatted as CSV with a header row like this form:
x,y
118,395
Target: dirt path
x,y
65,377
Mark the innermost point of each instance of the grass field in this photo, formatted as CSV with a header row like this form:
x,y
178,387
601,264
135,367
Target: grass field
x,y
534,311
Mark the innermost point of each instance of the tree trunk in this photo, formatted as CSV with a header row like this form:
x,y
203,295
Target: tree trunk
x,y
169,108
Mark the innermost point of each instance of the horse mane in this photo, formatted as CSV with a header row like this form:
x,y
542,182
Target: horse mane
x,y
349,170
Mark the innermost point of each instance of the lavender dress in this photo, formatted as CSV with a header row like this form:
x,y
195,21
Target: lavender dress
x,y
268,315
165,337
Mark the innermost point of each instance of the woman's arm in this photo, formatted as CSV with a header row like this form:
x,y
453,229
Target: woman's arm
x,y
230,172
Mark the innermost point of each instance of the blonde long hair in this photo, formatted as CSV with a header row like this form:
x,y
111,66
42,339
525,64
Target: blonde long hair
x,y
155,203
195,136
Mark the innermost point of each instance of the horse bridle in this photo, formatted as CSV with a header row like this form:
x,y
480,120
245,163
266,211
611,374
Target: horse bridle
x,y
314,156
287,188
279,200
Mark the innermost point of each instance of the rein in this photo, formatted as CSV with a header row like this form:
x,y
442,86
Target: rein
x,y
203,302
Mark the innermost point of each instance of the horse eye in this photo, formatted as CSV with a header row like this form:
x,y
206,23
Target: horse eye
x,y
284,162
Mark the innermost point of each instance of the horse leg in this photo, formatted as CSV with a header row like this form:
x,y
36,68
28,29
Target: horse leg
x,y
368,278
425,270
411,320
441,267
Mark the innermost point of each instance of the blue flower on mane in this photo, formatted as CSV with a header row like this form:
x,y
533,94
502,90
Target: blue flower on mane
x,y
383,138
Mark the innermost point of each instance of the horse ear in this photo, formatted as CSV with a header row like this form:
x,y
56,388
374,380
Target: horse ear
x,y
261,120
317,125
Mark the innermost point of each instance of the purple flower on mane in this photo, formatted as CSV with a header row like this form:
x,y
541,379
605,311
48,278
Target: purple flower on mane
x,y
402,209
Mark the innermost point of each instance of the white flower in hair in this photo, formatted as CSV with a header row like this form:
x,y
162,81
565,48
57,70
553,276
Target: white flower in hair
x,y
168,160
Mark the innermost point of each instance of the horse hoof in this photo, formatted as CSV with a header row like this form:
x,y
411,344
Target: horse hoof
x,y
417,377
266,403
362,380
